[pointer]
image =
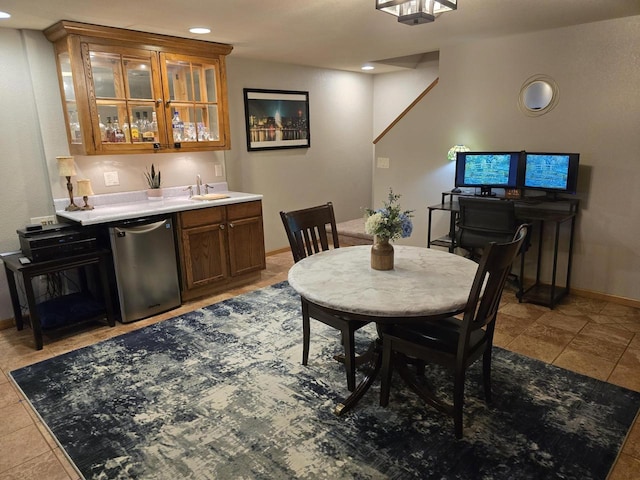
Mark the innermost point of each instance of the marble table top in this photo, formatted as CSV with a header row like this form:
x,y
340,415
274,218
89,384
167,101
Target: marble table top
x,y
424,281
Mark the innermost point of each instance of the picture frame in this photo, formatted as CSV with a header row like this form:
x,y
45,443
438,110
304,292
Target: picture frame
x,y
276,119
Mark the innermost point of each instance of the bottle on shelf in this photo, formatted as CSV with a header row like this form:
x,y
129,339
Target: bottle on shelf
x,y
74,126
178,127
118,134
153,126
135,129
147,133
103,130
109,132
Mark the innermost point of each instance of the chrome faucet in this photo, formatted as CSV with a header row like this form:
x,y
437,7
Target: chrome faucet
x,y
198,184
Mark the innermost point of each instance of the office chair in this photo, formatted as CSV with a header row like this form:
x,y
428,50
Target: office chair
x,y
454,343
482,221
307,234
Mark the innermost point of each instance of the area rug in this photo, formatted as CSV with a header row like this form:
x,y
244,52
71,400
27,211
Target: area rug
x,y
220,393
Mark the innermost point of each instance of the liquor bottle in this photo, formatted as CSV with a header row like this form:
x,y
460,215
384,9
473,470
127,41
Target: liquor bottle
x,y
135,129
126,132
74,126
103,130
147,133
177,126
109,132
118,134
153,126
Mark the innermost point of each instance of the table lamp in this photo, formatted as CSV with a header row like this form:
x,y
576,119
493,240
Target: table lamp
x,y
452,155
67,169
84,189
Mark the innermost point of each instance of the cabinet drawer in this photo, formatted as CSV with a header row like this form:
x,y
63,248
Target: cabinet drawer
x,y
203,216
244,210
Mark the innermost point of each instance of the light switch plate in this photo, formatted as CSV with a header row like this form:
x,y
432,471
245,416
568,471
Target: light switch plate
x,y
111,179
218,170
382,162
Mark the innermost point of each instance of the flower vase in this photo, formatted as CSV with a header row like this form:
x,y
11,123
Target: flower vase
x,y
154,194
381,254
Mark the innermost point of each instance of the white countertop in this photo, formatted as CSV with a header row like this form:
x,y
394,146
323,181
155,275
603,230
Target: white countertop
x,y
139,206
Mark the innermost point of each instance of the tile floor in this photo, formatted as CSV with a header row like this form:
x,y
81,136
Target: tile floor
x,y
595,338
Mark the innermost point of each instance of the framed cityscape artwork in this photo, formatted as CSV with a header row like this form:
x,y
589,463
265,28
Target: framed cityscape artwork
x,y
276,119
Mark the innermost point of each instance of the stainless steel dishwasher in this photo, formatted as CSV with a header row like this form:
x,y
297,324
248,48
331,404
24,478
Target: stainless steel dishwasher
x,y
144,259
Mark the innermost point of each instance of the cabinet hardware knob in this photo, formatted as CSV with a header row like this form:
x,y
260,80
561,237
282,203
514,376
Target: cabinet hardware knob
x,y
159,101
221,227
231,225
168,102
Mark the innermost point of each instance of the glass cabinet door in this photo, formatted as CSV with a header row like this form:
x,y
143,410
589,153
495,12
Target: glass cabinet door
x,y
192,99
74,131
123,85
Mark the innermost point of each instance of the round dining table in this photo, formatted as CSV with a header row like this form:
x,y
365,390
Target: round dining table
x,y
424,285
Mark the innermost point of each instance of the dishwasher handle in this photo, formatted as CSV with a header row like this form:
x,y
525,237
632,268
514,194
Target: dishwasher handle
x,y
140,229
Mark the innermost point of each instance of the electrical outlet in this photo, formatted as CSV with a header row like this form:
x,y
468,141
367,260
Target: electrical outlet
x,y
111,179
48,220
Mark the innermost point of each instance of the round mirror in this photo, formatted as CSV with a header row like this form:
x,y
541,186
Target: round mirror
x,y
538,95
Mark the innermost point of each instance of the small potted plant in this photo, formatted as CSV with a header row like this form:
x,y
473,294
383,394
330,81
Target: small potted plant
x,y
154,192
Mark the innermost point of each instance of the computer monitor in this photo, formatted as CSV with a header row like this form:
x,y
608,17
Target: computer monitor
x,y
487,170
553,173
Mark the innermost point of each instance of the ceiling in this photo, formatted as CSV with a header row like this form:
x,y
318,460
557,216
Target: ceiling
x,y
339,34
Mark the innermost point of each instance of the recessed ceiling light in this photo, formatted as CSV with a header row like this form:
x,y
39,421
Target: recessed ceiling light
x,y
367,67
200,30
5,15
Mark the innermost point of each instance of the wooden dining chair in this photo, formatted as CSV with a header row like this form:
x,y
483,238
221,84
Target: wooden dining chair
x,y
307,234
451,342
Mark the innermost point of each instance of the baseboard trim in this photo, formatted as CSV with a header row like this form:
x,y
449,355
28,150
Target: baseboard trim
x,y
628,302
280,250
7,323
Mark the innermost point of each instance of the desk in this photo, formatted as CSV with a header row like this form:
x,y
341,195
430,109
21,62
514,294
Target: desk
x,y
557,214
424,285
30,270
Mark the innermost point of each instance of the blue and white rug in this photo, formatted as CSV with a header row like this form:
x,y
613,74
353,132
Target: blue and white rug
x,y
220,393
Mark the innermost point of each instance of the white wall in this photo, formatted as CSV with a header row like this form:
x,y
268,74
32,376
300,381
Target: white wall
x,y
394,92
597,69
336,168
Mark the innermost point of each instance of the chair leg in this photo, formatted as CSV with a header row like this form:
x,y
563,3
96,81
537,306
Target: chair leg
x,y
486,374
458,402
348,341
387,372
306,333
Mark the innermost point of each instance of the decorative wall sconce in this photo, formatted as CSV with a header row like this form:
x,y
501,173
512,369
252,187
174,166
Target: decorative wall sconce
x,y
66,168
84,189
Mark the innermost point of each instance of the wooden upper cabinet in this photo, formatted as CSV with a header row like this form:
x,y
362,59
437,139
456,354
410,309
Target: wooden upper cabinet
x,y
133,92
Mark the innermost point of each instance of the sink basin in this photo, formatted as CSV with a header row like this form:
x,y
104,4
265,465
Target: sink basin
x,y
210,196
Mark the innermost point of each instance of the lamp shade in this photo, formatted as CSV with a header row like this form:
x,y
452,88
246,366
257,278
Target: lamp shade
x,y
84,187
452,154
66,168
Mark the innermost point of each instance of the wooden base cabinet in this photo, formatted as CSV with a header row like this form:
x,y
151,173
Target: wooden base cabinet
x,y
220,248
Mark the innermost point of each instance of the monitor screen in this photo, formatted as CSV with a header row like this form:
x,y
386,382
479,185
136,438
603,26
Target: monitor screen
x,y
552,172
486,170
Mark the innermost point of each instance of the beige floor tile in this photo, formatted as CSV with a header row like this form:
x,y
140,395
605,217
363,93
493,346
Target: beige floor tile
x,y
597,347
8,395
627,372
66,464
612,333
569,323
626,468
618,311
632,445
21,446
535,348
43,467
14,417
585,363
525,311
576,306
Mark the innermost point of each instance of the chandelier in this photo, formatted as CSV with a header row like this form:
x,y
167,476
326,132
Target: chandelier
x,y
414,12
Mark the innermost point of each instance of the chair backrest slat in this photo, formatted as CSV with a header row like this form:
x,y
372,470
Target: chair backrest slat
x,y
306,230
488,284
